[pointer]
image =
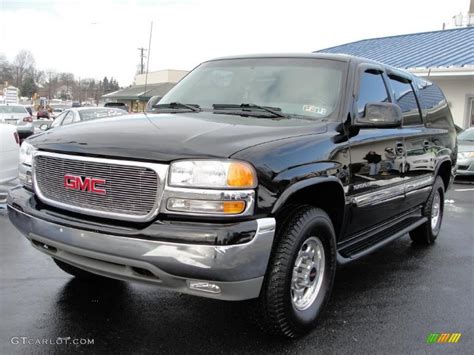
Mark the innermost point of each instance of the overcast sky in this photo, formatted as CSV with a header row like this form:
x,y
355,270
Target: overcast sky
x,y
94,38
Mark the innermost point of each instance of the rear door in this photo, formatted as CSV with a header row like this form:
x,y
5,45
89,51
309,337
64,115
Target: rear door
x,y
417,167
439,141
376,189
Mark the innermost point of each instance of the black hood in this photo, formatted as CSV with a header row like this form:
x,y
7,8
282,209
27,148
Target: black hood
x,y
166,137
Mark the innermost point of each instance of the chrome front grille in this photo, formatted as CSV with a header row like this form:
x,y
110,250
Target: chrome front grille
x,y
131,191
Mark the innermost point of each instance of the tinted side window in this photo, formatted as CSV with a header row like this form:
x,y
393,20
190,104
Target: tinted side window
x,y
406,99
435,104
372,89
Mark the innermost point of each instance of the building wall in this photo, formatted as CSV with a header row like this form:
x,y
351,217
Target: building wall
x,y
457,89
161,76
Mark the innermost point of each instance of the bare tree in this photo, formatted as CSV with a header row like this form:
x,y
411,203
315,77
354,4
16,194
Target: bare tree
x,y
5,69
67,79
52,82
24,62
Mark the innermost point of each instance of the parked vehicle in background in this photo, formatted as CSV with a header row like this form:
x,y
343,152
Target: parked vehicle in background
x,y
254,179
80,114
14,114
151,103
56,111
76,104
119,105
42,113
465,163
9,152
18,116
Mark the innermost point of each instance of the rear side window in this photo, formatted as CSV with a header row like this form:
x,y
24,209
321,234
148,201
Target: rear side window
x,y
93,114
13,109
372,90
406,99
435,104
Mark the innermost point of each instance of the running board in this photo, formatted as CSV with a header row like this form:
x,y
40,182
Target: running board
x,y
366,246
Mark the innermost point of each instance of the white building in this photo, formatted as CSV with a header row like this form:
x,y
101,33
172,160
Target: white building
x,y
10,95
160,76
136,96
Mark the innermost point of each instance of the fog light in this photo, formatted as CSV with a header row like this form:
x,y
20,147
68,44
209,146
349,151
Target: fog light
x,y
25,178
205,206
208,287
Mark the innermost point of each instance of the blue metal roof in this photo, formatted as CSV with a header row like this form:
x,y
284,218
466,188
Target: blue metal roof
x,y
418,50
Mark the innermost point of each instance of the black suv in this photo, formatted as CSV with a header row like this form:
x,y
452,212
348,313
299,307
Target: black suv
x,y
254,179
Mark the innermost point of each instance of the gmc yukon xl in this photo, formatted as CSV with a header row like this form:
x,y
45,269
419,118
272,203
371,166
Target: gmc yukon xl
x,y
254,178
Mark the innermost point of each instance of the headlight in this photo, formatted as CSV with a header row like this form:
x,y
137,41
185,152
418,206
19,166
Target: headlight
x,y
465,155
213,174
26,153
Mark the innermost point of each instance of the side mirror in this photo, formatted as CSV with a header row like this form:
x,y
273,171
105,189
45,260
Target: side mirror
x,y
380,115
44,127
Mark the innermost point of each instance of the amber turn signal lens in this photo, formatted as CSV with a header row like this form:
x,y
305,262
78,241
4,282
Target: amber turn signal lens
x,y
233,207
241,175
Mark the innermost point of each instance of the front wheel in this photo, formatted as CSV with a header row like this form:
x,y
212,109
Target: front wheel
x,y
433,210
300,274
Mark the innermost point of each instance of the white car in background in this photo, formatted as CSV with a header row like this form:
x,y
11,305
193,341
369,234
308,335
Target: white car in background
x,y
14,114
18,116
9,152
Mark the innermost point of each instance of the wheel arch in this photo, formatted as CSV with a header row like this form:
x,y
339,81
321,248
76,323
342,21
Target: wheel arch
x,y
326,193
445,172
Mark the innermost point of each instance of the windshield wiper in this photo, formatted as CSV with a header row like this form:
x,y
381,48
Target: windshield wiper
x,y
275,111
178,105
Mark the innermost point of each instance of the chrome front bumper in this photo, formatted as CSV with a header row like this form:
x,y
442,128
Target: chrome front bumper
x,y
227,272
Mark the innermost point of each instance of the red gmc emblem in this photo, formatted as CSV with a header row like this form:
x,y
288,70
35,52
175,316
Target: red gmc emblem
x,y
87,184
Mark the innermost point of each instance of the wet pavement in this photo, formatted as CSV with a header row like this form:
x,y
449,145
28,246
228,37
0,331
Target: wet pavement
x,y
388,303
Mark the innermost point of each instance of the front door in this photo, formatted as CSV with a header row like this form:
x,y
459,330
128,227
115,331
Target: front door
x,y
376,190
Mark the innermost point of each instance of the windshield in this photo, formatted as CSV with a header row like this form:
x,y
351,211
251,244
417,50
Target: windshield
x,y
12,109
93,114
303,87
467,135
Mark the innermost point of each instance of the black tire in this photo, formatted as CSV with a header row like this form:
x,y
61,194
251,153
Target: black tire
x,y
81,274
427,233
275,311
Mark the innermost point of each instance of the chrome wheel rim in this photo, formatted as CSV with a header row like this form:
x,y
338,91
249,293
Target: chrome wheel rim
x,y
435,211
308,273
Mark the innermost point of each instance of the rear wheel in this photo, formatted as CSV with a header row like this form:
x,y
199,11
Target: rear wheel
x,y
300,274
81,274
433,210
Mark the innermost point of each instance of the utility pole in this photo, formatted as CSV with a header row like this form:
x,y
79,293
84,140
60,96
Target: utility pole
x,y
142,57
49,85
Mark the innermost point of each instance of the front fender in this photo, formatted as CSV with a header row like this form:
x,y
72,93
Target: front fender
x,y
298,186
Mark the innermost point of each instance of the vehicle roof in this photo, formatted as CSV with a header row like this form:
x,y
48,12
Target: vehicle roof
x,y
340,57
328,56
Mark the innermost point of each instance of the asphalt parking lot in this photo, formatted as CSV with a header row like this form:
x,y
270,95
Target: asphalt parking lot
x,y
387,303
